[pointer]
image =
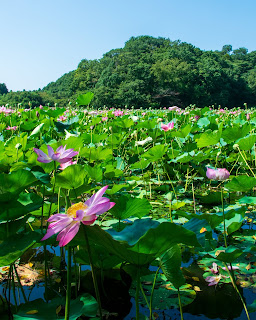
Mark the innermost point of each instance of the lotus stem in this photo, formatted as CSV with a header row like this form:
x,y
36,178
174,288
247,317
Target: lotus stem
x,y
152,294
224,222
181,312
137,295
68,292
238,292
21,287
96,288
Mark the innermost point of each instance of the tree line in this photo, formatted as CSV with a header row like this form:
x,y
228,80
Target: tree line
x,y
154,72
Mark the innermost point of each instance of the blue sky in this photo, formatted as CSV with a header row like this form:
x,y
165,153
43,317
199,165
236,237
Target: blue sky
x,y
43,39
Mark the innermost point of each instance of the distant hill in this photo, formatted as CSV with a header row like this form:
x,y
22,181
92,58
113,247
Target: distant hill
x,y
154,72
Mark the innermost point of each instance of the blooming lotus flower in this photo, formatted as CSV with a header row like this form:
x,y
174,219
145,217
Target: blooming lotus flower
x,y
213,279
62,118
217,174
12,128
173,108
61,155
68,224
104,119
167,127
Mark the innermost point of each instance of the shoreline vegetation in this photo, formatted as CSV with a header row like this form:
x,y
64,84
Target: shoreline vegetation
x,y
152,72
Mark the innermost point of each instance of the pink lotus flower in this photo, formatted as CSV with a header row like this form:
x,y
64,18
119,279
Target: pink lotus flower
x,y
61,155
68,224
173,108
118,113
67,164
167,127
62,118
217,174
197,117
213,279
248,117
12,128
104,118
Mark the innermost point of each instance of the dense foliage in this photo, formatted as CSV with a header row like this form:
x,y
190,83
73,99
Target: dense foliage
x,y
182,227
156,72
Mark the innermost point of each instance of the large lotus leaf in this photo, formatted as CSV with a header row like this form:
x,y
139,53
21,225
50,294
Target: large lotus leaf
x,y
39,309
18,165
101,258
142,242
13,247
96,154
126,207
241,183
71,178
41,176
182,132
213,197
12,143
94,138
247,142
155,153
75,143
203,122
227,255
231,134
46,209
62,126
13,183
247,200
170,263
51,113
165,294
8,228
199,227
84,99
142,164
95,173
24,204
208,138
125,123
148,124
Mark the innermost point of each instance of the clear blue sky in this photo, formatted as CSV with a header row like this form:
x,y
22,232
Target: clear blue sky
x,y
43,39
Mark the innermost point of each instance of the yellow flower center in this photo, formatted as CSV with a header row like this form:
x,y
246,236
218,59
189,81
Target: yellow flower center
x,y
73,209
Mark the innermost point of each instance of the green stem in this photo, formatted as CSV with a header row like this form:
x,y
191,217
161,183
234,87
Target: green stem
x,y
238,292
53,188
145,298
137,295
45,273
21,287
96,288
68,292
181,312
224,222
13,288
152,294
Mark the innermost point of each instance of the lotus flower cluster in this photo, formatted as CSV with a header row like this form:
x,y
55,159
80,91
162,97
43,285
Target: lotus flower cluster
x,y
61,155
217,174
68,224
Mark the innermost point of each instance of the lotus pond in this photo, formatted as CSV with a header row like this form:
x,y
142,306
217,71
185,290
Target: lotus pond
x,y
127,214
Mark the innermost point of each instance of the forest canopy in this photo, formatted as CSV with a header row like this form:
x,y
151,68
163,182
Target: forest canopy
x,y
153,72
